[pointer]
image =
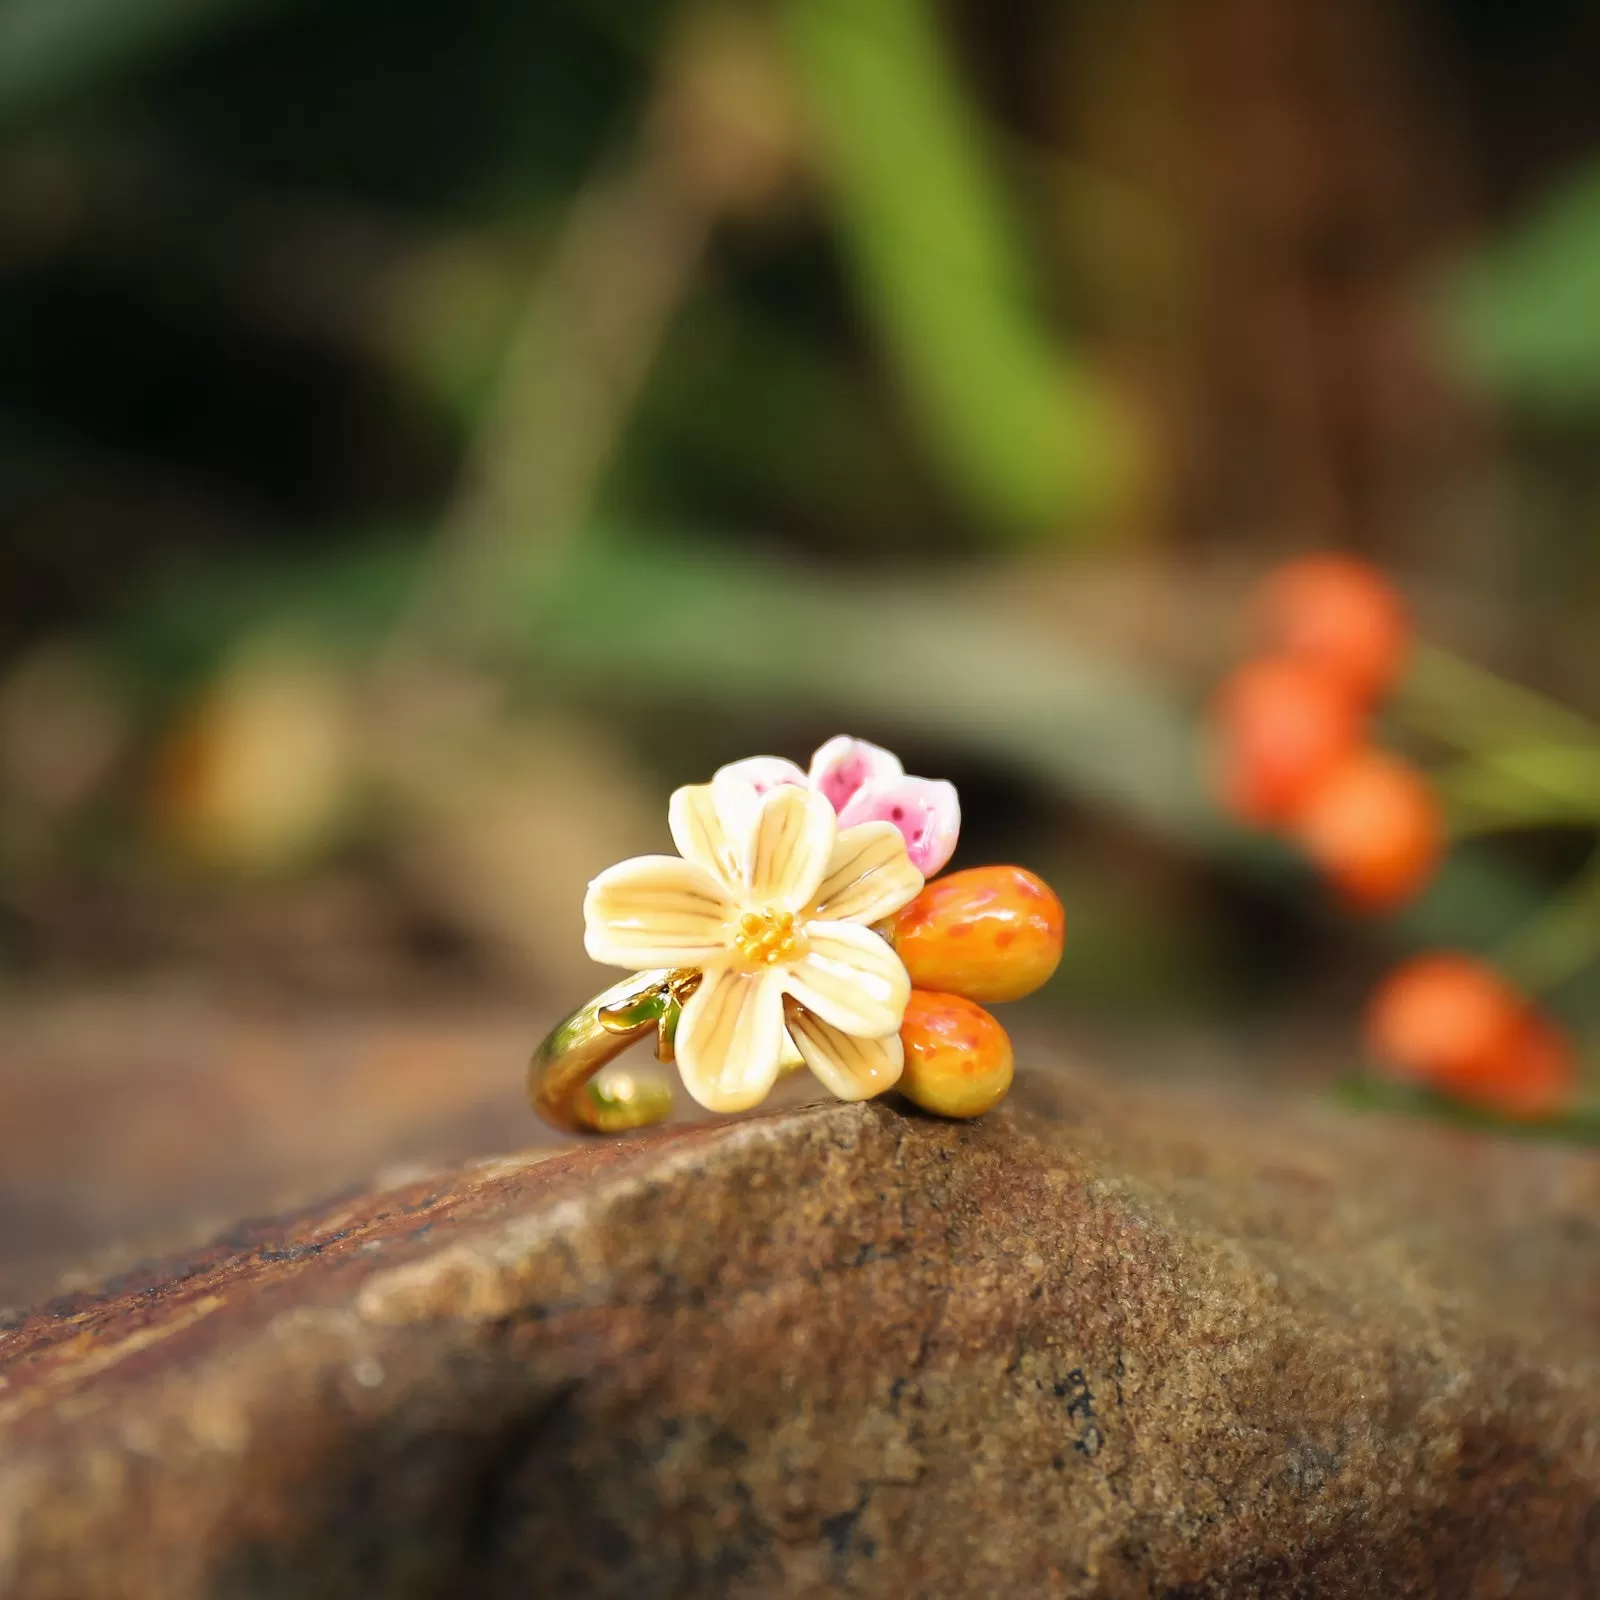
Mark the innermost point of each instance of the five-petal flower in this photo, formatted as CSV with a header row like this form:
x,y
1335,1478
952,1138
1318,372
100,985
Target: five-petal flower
x,y
773,901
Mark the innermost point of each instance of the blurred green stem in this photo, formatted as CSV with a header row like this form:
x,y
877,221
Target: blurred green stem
x,y
585,342
50,49
1560,940
1525,759
1019,426
1457,702
1528,761
1537,786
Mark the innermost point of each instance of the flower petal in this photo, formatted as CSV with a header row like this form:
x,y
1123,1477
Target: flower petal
x,y
927,812
656,911
763,773
851,978
730,1039
843,765
852,1067
790,847
711,828
869,877
791,1058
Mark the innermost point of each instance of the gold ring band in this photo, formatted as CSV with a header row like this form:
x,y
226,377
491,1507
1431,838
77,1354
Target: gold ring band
x,y
562,1073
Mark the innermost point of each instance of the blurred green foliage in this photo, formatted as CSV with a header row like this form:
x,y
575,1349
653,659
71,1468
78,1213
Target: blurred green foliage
x,y
55,48
1371,1094
1522,314
282,280
1028,439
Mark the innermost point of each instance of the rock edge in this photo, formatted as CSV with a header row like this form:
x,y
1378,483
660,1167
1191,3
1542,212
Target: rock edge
x,y
1098,1344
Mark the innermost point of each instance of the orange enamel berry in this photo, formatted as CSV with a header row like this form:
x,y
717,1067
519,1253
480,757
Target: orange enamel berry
x,y
1280,727
989,933
1374,827
958,1058
1444,1019
1339,615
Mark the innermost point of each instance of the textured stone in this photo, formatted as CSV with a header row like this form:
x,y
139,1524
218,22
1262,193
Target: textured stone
x,y
1099,1343
139,1123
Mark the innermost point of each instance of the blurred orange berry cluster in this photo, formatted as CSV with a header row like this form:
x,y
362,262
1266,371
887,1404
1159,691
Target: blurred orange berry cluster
x,y
1293,741
1294,753
1451,1023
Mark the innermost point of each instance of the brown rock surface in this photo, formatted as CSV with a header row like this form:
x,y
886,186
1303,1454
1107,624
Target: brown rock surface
x,y
143,1122
1100,1343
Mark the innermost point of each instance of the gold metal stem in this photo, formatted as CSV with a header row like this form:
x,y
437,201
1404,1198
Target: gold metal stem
x,y
561,1074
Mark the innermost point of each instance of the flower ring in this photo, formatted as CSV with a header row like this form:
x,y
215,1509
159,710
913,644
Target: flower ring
x,y
789,929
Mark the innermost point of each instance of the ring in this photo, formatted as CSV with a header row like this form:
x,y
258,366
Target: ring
x,y
801,924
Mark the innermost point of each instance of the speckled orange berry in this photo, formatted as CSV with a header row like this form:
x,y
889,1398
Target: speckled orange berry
x,y
958,1058
989,933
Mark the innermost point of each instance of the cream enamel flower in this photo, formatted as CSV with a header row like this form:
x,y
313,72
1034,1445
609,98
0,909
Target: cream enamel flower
x,y
773,903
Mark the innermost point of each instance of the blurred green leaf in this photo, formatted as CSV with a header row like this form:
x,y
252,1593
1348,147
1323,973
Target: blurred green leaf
x,y
54,47
756,404
179,631
1523,316
1446,696
693,625
694,629
701,627
1020,429
1372,1094
1560,941
1475,898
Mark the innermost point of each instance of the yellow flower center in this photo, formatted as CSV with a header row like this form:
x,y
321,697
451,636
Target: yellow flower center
x,y
767,937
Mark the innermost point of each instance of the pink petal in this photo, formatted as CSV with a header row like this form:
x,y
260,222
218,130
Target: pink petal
x,y
764,772
925,810
844,765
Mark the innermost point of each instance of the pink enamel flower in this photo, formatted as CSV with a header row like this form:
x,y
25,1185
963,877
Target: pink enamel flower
x,y
772,899
866,783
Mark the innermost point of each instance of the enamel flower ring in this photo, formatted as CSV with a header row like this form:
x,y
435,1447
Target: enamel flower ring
x,y
790,930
